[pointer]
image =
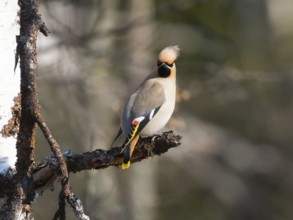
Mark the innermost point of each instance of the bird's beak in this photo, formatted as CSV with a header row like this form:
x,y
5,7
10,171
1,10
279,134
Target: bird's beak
x,y
163,64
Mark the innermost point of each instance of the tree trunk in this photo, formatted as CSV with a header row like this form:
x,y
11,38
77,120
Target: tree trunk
x,y
10,193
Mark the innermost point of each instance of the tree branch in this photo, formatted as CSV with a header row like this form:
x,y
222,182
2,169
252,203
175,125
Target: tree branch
x,y
63,172
60,213
45,173
30,24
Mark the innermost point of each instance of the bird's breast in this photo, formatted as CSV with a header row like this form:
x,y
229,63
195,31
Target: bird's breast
x,y
164,114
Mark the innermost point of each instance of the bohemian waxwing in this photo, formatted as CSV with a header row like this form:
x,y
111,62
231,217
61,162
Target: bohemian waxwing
x,y
149,108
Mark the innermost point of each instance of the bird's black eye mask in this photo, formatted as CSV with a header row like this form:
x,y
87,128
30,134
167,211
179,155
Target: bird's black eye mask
x,y
164,69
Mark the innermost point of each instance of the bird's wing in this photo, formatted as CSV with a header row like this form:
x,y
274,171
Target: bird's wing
x,y
144,104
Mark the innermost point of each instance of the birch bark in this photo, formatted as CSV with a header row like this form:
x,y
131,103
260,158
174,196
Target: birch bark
x,y
9,82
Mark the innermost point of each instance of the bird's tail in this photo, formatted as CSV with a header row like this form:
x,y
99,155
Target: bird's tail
x,y
126,157
128,150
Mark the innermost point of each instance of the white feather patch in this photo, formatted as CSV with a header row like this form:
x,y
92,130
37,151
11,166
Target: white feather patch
x,y
152,114
139,119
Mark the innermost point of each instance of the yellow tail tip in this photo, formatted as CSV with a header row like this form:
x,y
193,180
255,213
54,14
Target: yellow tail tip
x,y
125,165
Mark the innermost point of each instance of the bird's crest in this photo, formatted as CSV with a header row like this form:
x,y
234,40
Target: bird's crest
x,y
169,54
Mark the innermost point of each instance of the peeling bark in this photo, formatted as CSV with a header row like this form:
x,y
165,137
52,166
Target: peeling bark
x,y
12,126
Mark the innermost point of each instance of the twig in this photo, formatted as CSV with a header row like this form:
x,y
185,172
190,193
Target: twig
x,y
55,148
60,213
43,28
61,210
77,206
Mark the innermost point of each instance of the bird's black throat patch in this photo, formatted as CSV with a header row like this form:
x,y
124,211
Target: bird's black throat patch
x,y
164,70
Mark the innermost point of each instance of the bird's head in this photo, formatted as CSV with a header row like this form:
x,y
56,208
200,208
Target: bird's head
x,y
166,61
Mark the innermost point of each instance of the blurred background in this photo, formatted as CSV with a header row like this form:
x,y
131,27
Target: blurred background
x,y
234,105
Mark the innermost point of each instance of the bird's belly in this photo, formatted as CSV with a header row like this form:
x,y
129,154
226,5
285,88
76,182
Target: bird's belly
x,y
160,119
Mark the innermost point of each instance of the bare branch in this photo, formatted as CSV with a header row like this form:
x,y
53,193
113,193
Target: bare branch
x,y
55,148
60,213
44,174
62,169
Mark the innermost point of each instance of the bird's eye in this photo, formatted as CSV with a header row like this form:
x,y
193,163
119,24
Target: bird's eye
x,y
159,63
